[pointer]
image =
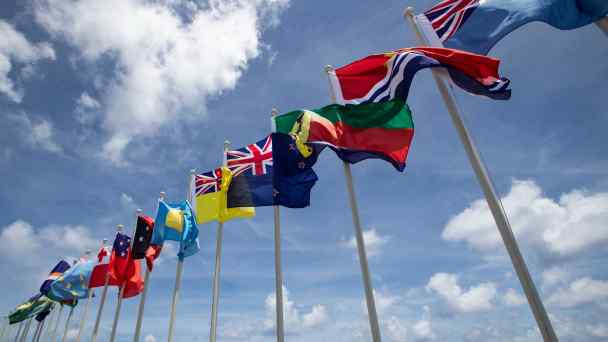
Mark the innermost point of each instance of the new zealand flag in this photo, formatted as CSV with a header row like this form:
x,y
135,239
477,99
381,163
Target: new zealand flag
x,y
272,171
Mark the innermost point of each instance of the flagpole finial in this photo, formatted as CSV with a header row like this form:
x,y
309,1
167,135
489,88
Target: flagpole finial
x,y
328,68
119,228
226,144
138,211
162,195
409,12
104,242
192,171
274,112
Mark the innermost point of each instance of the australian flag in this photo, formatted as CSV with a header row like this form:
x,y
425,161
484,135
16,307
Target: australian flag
x,y
271,171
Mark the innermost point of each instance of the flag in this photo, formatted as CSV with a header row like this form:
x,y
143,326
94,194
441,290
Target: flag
x,y
42,314
210,198
74,283
30,308
100,271
141,246
476,26
386,76
381,130
57,271
103,252
124,270
272,171
176,222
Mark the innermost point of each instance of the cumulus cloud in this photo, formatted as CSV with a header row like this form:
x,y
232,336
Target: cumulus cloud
x,y
599,330
476,298
373,242
295,322
86,109
423,329
512,298
574,223
150,338
553,276
581,291
397,331
37,134
168,57
15,48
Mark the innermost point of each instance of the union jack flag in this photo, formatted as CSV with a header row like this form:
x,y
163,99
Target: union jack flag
x,y
448,16
256,158
208,182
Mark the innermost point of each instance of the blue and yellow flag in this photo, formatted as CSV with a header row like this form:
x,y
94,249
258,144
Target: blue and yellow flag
x,y
73,284
176,222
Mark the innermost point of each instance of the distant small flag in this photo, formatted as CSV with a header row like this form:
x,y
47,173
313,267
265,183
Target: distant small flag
x,y
123,268
56,272
74,283
477,25
43,314
103,252
142,248
176,222
29,309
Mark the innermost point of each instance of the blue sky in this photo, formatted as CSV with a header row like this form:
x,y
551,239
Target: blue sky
x,y
104,104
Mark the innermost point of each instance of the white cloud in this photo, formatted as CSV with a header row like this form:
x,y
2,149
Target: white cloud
x,y
383,302
600,330
396,330
293,320
150,338
72,334
14,47
127,202
571,225
476,298
512,298
373,242
581,291
38,134
423,329
87,108
166,70
554,276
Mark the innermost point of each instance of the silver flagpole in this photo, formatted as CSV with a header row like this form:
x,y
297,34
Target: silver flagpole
x,y
602,24
5,326
41,330
18,331
500,217
218,263
367,281
49,325
102,300
86,305
277,262
122,287
67,324
37,331
180,267
26,330
142,300
57,319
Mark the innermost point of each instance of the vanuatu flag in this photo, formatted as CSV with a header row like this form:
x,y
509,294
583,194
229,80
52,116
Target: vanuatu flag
x,y
381,130
210,197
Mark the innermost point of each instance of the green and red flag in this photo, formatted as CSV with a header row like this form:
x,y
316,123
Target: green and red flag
x,y
382,130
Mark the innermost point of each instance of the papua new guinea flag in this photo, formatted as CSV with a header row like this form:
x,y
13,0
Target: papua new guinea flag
x,y
386,76
476,25
273,171
381,130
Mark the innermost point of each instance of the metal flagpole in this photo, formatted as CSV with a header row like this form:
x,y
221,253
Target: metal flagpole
x,y
218,262
602,24
122,287
5,326
367,281
86,305
37,331
500,217
26,330
48,326
67,324
54,334
18,331
42,325
180,267
277,264
142,300
102,300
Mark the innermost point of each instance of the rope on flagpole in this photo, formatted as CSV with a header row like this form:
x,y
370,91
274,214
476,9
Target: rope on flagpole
x,y
602,24
500,217
142,300
86,306
58,318
218,261
367,281
104,293
67,323
277,261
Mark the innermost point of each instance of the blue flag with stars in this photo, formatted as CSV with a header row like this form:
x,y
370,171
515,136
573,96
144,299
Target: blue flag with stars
x,y
74,283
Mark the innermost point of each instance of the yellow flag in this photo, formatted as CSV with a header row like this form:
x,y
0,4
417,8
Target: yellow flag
x,y
175,219
213,205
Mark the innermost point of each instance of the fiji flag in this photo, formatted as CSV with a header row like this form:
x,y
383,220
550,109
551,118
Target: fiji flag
x,y
273,171
176,222
477,25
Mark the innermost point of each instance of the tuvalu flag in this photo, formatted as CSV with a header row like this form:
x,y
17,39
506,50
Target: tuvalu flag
x,y
74,283
386,76
210,197
276,170
381,130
